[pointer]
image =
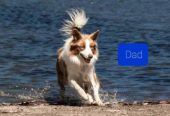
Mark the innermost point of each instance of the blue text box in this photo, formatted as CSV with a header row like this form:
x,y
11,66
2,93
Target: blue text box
x,y
133,54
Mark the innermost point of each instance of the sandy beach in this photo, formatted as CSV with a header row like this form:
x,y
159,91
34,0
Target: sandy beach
x,y
61,110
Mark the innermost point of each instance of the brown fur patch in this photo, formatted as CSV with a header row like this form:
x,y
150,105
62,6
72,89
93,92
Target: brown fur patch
x,y
61,70
93,47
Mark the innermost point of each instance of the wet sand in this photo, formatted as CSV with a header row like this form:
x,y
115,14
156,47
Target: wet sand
x,y
55,110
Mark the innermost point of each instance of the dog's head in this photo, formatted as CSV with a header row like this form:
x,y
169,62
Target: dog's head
x,y
84,46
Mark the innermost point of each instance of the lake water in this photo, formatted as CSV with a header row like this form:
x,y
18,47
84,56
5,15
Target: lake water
x,y
29,38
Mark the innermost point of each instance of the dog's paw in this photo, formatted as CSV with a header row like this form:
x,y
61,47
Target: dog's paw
x,y
100,103
90,99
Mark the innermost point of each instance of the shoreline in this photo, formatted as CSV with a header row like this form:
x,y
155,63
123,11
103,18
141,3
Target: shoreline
x,y
45,109
81,103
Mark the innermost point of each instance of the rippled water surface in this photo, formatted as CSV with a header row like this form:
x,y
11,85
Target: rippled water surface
x,y
29,38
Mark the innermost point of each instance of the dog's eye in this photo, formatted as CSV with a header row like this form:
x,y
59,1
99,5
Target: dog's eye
x,y
81,47
93,47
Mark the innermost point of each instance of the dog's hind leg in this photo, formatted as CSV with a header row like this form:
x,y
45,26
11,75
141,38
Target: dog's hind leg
x,y
61,84
62,81
62,90
87,88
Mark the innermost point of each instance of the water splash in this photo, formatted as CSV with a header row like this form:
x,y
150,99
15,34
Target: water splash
x,y
31,94
2,93
35,94
109,98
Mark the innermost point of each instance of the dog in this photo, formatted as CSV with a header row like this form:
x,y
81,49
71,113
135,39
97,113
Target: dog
x,y
76,59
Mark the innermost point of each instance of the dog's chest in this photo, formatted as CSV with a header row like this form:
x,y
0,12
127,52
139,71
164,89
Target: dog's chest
x,y
83,73
80,73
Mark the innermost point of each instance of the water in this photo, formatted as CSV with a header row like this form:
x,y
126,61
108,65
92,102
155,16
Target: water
x,y
29,38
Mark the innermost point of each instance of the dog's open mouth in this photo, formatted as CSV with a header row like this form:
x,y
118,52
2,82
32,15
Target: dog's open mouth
x,y
87,60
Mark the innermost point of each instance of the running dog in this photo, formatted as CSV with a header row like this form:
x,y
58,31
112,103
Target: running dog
x,y
76,59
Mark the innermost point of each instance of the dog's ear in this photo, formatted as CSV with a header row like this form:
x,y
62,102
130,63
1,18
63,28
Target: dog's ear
x,y
94,35
76,34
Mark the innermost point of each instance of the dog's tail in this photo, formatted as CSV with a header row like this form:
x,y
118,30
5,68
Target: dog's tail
x,y
77,20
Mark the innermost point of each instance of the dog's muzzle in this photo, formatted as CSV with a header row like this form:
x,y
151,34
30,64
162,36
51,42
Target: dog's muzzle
x,y
88,59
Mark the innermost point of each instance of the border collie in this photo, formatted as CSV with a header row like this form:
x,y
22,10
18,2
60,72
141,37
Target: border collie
x,y
76,59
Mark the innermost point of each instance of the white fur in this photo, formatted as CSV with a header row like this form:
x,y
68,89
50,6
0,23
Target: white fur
x,y
87,50
78,19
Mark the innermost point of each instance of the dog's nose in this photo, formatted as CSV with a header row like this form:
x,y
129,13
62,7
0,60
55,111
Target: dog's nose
x,y
90,56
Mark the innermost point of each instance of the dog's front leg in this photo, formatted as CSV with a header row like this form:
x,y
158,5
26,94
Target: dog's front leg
x,y
96,94
95,88
80,91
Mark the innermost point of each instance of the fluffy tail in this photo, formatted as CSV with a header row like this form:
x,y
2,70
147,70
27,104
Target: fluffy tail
x,y
77,20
